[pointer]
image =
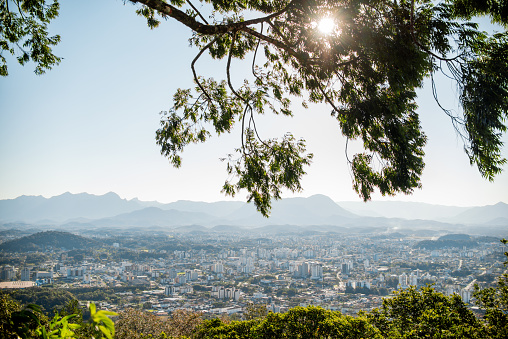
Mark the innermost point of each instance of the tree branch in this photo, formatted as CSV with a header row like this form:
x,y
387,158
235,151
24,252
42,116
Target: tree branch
x,y
228,72
279,33
254,57
327,98
175,13
300,56
196,10
194,70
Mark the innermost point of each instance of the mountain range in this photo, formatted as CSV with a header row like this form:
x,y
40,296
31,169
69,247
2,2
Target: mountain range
x,y
317,212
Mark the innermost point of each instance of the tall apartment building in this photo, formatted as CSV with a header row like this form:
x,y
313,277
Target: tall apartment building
x,y
25,274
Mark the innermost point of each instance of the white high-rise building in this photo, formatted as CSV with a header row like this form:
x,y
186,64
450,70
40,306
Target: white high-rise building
x,y
465,294
402,280
413,279
8,273
303,270
169,290
25,274
236,295
181,279
218,268
316,271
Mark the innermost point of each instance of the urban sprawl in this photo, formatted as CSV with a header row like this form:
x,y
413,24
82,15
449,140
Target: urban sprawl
x,y
225,273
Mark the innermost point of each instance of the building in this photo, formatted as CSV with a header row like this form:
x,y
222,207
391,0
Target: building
x,y
403,281
413,279
25,274
8,273
316,271
218,268
169,290
303,270
465,294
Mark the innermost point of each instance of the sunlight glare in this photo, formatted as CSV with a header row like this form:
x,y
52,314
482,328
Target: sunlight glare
x,y
326,25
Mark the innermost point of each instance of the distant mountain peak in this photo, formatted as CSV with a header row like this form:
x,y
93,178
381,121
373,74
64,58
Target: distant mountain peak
x,y
318,209
112,194
319,196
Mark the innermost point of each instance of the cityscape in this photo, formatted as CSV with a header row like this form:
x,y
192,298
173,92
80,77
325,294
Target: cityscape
x,y
226,272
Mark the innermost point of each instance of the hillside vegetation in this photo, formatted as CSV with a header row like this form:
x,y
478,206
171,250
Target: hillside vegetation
x,y
48,240
411,313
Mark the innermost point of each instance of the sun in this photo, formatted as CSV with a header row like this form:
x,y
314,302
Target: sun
x,y
326,25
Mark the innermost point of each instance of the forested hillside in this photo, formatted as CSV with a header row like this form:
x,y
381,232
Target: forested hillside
x,y
411,313
48,240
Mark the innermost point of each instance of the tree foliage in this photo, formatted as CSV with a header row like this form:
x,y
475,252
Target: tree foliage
x,y
367,68
14,321
48,299
426,313
494,300
24,33
30,322
298,322
133,323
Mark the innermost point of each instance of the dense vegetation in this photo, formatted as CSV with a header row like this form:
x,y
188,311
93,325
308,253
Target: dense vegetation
x,y
410,313
441,244
53,300
48,299
48,240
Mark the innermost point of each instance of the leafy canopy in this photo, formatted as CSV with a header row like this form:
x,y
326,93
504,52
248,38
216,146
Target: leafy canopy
x,y
367,68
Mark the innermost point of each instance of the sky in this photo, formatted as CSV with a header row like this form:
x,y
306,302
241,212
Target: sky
x,y
89,124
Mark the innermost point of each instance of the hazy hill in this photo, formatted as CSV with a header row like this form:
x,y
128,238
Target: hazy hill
x,y
448,241
153,216
65,206
228,228
403,210
89,212
49,239
455,240
191,229
458,237
317,209
216,209
483,214
498,221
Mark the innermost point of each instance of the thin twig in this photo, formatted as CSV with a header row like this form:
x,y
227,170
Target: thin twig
x,y
327,98
279,33
425,49
243,129
228,73
194,8
347,156
255,54
256,130
196,59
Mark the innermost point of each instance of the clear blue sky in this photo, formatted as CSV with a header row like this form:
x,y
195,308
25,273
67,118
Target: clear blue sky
x,y
89,124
